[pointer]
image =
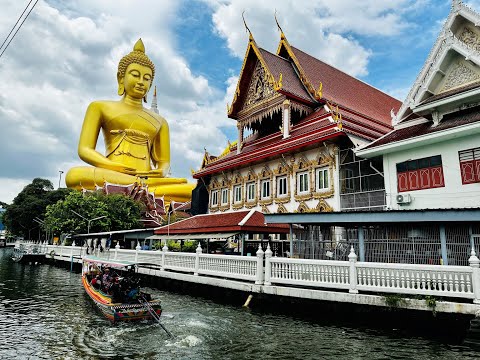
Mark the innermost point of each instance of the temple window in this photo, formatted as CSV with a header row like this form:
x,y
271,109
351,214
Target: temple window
x,y
282,189
214,197
237,193
303,182
470,165
265,185
224,196
251,191
322,182
425,173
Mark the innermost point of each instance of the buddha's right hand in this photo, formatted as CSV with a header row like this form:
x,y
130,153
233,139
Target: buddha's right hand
x,y
122,168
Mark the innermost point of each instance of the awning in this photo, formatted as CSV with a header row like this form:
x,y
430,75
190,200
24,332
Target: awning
x,y
217,236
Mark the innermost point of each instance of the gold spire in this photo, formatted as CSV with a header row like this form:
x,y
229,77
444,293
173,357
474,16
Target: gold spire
x,y
282,35
250,36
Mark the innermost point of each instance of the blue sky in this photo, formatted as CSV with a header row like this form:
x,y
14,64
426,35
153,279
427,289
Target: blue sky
x,y
65,56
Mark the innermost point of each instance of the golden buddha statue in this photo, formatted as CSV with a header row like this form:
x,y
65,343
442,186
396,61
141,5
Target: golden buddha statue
x,y
137,140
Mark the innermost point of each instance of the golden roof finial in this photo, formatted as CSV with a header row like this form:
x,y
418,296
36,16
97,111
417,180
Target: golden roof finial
x,y
282,35
246,26
155,91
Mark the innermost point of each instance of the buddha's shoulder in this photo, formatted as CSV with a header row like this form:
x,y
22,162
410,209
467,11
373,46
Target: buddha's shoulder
x,y
100,104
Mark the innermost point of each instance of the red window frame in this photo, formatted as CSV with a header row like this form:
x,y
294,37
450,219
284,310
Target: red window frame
x,y
420,175
469,165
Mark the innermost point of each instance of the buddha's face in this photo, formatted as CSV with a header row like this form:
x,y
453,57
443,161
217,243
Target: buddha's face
x,y
137,80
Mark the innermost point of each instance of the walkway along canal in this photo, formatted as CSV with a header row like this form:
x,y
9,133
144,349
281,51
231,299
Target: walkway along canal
x,y
451,289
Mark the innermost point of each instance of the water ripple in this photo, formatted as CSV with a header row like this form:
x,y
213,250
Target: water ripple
x,y
44,314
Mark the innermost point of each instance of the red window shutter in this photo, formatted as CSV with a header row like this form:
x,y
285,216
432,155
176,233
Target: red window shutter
x,y
425,179
402,182
436,174
468,171
477,168
413,180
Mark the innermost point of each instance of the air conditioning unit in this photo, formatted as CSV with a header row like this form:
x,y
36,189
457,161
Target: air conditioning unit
x,y
404,199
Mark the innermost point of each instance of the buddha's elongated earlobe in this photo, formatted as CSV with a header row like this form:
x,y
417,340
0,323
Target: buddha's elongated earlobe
x,y
145,98
121,89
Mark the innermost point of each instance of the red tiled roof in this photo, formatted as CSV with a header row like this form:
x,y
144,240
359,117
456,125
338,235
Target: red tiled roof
x,y
223,222
346,90
448,122
291,84
302,134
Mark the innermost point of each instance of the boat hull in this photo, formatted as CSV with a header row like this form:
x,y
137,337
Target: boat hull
x,y
120,311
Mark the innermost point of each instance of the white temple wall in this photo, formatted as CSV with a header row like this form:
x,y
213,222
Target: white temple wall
x,y
311,183
453,194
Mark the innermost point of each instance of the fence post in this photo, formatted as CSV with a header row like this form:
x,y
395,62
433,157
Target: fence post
x,y
352,258
475,264
164,250
197,258
117,247
137,249
268,266
259,280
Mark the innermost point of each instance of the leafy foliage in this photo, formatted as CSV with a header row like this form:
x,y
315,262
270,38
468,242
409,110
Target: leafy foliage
x,y
29,204
112,212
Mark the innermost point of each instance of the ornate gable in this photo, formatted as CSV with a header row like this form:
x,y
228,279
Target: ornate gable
x,y
255,84
259,89
449,77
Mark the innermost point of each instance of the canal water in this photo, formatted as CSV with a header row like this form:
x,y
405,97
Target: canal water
x,y
44,314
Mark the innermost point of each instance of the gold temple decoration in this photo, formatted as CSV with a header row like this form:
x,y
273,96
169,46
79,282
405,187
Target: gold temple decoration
x,y
238,181
281,209
265,174
268,77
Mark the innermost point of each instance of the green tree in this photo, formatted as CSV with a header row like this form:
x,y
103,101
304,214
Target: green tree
x,y
121,213
29,204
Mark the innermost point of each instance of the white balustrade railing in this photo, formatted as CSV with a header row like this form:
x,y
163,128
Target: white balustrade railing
x,y
228,266
436,280
451,281
327,273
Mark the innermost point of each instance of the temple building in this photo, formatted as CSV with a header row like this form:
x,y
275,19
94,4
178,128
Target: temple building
x,y
299,121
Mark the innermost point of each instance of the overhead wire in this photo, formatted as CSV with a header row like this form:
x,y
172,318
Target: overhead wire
x,y
18,28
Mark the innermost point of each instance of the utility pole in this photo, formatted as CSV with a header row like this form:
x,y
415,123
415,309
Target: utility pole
x,y
60,177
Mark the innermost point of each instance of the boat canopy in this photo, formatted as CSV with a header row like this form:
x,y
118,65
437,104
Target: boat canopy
x,y
110,263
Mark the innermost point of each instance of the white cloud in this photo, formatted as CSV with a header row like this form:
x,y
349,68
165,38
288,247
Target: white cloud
x,y
64,58
66,54
321,28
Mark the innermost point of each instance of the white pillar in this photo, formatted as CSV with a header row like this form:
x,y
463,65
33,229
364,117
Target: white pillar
x,y
352,258
443,245
361,243
117,247
198,252
268,266
286,119
137,249
475,264
164,250
259,280
240,138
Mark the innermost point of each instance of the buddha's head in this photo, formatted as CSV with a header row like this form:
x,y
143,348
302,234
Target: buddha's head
x,y
135,73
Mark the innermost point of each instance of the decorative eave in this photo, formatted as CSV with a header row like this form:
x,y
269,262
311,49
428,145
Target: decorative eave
x,y
315,93
445,42
276,84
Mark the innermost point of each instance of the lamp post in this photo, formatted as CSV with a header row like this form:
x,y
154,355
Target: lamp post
x,y
88,220
60,172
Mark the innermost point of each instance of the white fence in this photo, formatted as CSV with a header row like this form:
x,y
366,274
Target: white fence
x,y
264,269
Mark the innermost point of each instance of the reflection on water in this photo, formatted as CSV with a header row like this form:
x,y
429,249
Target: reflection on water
x,y
44,314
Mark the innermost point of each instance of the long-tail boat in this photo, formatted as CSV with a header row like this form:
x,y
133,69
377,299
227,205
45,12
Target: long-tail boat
x,y
122,299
